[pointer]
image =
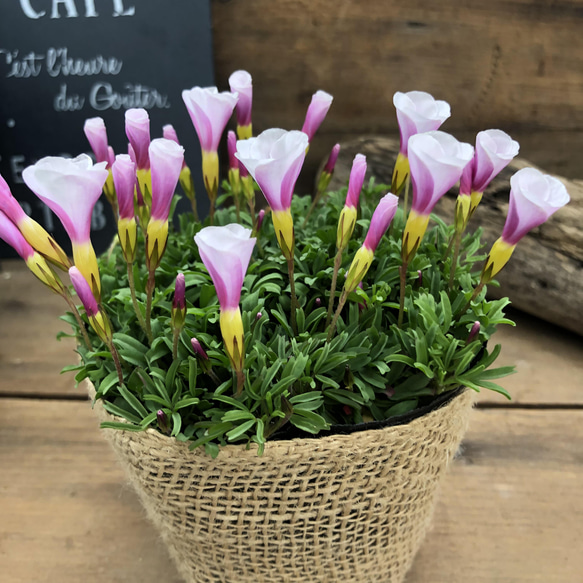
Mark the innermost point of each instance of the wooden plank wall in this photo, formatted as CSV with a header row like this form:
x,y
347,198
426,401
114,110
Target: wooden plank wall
x,y
513,64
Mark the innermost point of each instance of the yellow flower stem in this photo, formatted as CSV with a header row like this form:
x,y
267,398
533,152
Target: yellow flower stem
x,y
149,293
337,263
403,275
67,297
132,286
341,303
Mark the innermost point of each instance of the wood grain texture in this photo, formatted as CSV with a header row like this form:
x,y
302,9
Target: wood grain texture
x,y
545,275
512,64
509,510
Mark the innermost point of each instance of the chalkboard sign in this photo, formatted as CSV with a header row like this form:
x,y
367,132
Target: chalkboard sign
x,y
63,61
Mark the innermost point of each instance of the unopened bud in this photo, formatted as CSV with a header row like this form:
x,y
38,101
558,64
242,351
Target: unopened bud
x,y
331,163
260,217
258,316
162,419
198,349
390,392
318,302
473,332
420,277
347,410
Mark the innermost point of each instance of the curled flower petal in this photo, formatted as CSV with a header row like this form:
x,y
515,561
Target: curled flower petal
x,y
534,197
381,219
70,188
317,111
241,83
436,160
138,133
495,149
124,179
96,134
209,111
356,180
226,252
275,159
83,290
418,112
10,234
166,158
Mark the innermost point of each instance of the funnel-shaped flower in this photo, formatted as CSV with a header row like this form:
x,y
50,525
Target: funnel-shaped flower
x,y
209,111
124,179
349,212
241,83
381,219
97,318
35,235
317,111
70,188
437,161
226,252
275,159
417,112
34,261
166,159
534,197
495,149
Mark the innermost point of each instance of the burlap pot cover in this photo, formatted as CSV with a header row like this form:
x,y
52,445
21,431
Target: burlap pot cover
x,y
339,509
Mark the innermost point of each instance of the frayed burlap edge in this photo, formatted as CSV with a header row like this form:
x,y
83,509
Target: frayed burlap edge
x,y
339,509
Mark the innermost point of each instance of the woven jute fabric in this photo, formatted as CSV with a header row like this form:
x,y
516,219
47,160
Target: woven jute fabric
x,y
339,509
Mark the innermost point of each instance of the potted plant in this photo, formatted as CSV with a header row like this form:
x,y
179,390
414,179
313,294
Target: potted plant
x,y
285,388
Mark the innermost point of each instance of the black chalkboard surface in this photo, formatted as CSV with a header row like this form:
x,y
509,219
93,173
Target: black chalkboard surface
x,y
63,61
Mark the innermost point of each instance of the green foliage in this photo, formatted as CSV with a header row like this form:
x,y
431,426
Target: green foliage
x,y
371,369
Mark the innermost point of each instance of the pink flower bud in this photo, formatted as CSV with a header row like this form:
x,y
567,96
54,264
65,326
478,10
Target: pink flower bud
x,y
258,316
473,332
381,219
241,84
331,163
96,134
318,302
179,301
317,110
166,158
260,217
138,133
162,420
83,290
232,150
169,133
198,349
534,197
10,234
356,180
124,179
420,277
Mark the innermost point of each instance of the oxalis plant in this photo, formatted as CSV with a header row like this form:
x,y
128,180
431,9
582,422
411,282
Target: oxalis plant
x,y
339,310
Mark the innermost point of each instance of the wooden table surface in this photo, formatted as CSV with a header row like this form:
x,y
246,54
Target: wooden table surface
x,y
510,510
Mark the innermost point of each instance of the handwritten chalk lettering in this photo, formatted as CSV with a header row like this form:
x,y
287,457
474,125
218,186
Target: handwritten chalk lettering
x,y
68,102
16,167
98,218
22,68
59,63
70,8
103,97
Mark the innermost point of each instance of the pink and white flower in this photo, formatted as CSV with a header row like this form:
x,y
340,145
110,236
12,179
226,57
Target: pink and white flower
x,y
418,112
317,111
70,188
348,215
241,84
166,159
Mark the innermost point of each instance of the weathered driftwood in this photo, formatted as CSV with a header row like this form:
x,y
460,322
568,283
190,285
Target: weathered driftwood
x,y
545,275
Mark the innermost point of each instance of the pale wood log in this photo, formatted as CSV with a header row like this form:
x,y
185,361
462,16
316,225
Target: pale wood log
x,y
515,65
509,509
545,275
